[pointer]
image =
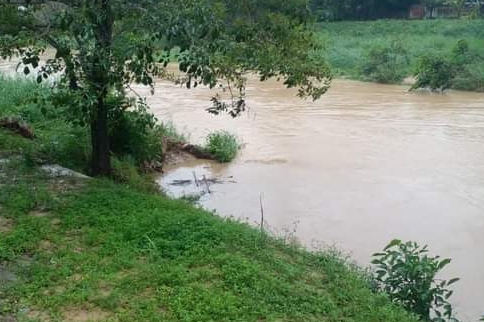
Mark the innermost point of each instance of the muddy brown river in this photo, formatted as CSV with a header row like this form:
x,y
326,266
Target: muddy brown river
x,y
365,164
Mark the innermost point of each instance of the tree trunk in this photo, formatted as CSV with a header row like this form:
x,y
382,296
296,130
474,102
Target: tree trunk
x,y
103,31
101,158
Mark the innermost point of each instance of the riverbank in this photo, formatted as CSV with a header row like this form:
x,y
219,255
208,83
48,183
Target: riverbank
x,y
348,46
80,249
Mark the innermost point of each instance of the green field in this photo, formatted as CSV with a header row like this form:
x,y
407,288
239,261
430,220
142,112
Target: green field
x,y
347,44
95,250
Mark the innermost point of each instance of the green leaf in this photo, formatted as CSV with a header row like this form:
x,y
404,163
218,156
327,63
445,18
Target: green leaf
x,y
393,243
452,281
443,263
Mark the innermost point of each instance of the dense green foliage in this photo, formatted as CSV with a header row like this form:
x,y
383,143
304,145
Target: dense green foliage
x,y
407,274
111,253
434,72
222,145
456,70
347,46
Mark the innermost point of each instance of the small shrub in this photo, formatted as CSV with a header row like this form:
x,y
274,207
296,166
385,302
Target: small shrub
x,y
385,64
406,273
434,72
222,145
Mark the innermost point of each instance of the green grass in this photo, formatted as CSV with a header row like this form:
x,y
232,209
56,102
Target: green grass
x,y
56,140
113,253
347,44
222,145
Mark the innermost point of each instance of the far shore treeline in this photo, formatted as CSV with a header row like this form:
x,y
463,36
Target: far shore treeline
x,y
337,10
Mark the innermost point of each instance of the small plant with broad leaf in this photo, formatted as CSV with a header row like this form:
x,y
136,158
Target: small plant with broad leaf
x,y
407,274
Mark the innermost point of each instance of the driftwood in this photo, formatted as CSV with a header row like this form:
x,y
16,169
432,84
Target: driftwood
x,y
14,125
206,181
195,150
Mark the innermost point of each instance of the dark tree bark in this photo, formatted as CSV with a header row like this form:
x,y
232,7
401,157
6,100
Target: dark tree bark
x,y
101,158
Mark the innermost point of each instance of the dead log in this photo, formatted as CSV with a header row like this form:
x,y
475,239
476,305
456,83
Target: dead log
x,y
17,127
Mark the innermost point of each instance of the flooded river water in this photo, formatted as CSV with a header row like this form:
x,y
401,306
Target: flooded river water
x,y
365,164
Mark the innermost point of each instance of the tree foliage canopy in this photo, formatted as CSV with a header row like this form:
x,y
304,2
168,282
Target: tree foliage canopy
x,y
103,46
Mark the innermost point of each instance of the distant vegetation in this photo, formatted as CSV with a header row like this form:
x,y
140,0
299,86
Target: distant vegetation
x,y
339,10
388,50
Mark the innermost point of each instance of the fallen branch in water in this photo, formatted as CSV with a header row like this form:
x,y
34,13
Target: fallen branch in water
x,y
198,182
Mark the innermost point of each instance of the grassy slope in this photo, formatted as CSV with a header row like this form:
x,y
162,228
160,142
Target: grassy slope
x,y
114,253
78,251
347,43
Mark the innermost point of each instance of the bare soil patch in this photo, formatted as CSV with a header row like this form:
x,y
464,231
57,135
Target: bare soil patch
x,y
80,314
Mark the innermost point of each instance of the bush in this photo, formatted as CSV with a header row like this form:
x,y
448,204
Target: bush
x,y
434,72
222,145
385,64
407,274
